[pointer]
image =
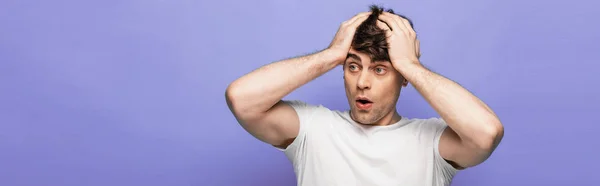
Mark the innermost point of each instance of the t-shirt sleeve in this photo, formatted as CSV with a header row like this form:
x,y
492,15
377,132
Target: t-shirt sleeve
x,y
305,114
444,171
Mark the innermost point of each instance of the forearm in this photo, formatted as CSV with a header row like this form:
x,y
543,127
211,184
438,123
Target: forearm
x,y
467,115
262,88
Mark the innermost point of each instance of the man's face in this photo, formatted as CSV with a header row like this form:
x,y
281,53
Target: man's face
x,y
372,88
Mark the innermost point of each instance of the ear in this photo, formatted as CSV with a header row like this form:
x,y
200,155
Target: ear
x,y
404,83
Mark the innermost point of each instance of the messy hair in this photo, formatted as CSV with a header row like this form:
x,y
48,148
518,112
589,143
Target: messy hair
x,y
370,39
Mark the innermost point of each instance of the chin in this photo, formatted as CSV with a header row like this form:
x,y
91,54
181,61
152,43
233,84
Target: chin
x,y
361,117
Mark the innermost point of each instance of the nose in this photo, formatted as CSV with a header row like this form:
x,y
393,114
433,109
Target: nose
x,y
364,81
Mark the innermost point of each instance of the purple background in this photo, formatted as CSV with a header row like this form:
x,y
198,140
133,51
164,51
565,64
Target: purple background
x,y
132,92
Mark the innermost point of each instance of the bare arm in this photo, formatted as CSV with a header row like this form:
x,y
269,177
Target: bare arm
x,y
255,98
474,130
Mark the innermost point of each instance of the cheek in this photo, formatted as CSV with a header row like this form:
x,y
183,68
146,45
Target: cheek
x,y
389,88
396,79
348,85
349,80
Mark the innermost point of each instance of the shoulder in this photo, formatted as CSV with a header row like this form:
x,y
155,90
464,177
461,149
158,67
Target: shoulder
x,y
425,128
307,109
427,124
310,113
311,117
434,123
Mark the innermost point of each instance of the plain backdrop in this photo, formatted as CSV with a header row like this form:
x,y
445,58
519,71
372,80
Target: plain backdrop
x,y
131,92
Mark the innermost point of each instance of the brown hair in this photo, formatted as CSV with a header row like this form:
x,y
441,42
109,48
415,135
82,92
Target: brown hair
x,y
371,39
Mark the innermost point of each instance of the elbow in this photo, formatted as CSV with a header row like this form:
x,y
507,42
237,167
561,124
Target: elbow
x,y
490,137
232,97
238,102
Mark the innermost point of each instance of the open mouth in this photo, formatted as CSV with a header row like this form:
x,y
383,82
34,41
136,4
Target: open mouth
x,y
363,103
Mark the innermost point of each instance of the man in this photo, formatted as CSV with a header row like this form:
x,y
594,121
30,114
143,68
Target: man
x,y
369,144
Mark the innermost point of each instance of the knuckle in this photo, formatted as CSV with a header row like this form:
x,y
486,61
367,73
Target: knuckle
x,y
411,33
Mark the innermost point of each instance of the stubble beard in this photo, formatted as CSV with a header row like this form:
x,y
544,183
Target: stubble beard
x,y
368,117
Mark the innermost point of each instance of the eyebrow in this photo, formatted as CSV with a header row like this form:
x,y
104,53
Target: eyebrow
x,y
351,55
380,62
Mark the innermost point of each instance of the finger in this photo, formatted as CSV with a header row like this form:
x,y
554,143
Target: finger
x,y
403,23
358,21
407,26
358,16
383,25
393,25
397,20
385,28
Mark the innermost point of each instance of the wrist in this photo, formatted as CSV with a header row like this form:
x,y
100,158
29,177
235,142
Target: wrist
x,y
334,56
406,66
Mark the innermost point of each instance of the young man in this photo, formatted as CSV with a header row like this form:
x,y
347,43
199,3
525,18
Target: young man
x,y
369,144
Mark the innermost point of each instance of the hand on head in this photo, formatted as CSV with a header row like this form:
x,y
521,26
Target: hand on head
x,y
343,38
403,45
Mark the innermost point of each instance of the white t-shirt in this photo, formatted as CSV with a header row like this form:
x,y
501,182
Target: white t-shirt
x,y
332,149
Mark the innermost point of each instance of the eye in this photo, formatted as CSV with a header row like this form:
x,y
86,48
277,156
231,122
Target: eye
x,y
352,67
379,70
